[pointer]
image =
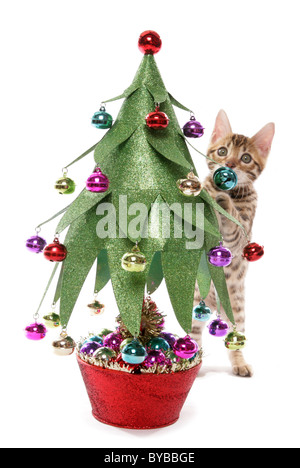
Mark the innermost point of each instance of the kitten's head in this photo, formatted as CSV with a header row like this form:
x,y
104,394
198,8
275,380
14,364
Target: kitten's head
x,y
246,156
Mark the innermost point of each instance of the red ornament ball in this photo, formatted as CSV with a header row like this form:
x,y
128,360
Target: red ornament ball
x,y
55,252
157,120
253,252
150,43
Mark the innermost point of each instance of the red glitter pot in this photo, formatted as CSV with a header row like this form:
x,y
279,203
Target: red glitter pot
x,y
136,401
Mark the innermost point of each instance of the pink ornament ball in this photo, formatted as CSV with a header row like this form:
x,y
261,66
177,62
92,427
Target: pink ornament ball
x,y
185,348
36,331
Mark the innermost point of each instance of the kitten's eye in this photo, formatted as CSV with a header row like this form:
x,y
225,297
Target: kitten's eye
x,y
222,151
246,158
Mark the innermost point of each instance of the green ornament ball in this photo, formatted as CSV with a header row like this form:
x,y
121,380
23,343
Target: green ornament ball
x,y
125,343
52,320
235,341
102,119
65,186
225,178
104,354
104,332
158,344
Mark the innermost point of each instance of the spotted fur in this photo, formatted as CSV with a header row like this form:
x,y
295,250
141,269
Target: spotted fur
x,y
240,203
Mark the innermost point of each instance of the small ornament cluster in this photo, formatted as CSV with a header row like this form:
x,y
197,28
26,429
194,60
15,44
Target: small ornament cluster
x,y
234,341
154,350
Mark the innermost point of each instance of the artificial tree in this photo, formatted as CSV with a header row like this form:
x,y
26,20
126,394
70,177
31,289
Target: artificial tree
x,y
143,159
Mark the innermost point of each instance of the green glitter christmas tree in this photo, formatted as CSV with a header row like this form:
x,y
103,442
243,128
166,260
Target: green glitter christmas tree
x,y
143,166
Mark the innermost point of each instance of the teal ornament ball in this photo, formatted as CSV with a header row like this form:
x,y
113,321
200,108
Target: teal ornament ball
x,y
134,353
225,178
102,119
158,344
202,312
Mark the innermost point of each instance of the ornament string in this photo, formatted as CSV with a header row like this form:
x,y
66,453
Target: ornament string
x,y
202,154
53,217
219,307
36,315
82,155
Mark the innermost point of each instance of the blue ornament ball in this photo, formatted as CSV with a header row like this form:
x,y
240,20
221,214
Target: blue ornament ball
x,y
225,178
158,344
134,353
202,312
102,119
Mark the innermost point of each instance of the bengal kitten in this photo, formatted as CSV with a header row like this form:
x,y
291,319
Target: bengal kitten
x,y
248,158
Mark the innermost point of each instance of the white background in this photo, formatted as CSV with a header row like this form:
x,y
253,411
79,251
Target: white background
x,y
59,60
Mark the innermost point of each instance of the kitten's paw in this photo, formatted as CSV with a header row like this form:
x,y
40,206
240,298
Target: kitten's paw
x,y
224,201
243,370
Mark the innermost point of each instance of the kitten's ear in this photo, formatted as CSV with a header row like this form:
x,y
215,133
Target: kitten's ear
x,y
222,127
263,139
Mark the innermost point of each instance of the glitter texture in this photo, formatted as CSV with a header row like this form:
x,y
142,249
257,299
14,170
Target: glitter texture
x,y
143,165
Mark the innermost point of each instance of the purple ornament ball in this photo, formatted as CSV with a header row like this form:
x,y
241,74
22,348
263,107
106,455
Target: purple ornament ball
x,y
220,256
36,244
185,348
218,328
36,331
113,341
90,347
169,337
193,129
154,357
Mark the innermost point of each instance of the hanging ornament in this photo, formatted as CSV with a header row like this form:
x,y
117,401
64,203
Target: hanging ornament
x,y
158,344
102,119
113,341
125,343
218,328
202,312
185,348
155,357
193,128
104,354
235,341
150,43
36,244
55,252
65,346
220,256
134,353
96,308
95,338
52,320
253,252
64,185
36,331
97,182
190,187
134,261
157,120
89,347
225,178
169,337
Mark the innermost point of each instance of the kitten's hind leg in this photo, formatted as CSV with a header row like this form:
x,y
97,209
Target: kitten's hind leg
x,y
239,365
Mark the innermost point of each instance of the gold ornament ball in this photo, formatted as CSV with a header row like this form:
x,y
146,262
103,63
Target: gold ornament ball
x,y
52,320
65,186
235,341
190,187
96,308
65,346
134,261
104,354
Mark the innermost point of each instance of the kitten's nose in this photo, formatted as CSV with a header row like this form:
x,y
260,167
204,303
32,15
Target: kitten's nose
x,y
231,164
